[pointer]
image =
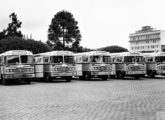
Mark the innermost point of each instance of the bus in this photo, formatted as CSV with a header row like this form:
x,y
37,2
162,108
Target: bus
x,y
129,64
94,64
155,63
55,65
16,65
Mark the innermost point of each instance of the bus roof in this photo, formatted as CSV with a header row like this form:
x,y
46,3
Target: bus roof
x,y
154,54
93,53
17,52
53,53
126,54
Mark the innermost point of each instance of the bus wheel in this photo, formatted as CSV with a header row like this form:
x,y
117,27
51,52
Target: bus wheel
x,y
28,81
151,74
68,79
104,77
4,81
81,77
136,77
120,75
112,76
47,78
87,76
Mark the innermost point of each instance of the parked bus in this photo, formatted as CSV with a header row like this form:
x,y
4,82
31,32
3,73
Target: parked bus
x,y
55,65
155,63
94,64
129,64
16,65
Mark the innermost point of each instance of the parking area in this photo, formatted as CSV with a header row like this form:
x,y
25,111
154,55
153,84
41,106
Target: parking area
x,y
114,99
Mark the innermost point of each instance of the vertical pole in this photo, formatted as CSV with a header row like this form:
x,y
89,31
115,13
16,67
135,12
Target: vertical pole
x,y
63,39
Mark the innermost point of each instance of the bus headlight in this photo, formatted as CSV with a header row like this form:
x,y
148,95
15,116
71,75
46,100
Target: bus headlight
x,y
159,68
55,69
129,68
142,67
95,68
10,70
72,68
109,68
29,69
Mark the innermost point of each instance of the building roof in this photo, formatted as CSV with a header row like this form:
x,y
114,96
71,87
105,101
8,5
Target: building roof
x,y
145,30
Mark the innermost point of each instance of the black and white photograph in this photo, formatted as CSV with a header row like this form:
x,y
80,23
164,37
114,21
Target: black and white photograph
x,y
82,60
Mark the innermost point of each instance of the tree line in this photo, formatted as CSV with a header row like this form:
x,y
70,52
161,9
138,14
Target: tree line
x,y
63,34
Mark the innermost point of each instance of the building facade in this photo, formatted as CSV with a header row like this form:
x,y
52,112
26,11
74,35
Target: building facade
x,y
147,40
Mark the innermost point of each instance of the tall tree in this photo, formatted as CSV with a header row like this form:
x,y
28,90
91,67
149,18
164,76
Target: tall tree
x,y
63,31
12,29
3,34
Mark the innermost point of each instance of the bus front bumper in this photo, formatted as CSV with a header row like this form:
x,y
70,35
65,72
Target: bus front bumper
x,y
18,76
96,73
61,74
135,72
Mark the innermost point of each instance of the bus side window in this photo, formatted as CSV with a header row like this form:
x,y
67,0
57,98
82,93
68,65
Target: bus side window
x,y
85,59
78,59
37,60
119,59
113,59
46,59
1,60
149,59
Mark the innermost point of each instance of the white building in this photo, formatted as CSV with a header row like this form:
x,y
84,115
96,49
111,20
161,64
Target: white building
x,y
147,40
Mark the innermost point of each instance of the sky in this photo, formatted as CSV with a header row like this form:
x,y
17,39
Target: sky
x,y
101,22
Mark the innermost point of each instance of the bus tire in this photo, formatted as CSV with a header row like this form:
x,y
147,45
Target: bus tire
x,y
136,77
81,77
68,79
47,78
151,74
28,81
112,76
120,75
4,81
87,75
104,77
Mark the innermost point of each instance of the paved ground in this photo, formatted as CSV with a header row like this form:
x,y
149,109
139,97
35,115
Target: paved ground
x,y
84,100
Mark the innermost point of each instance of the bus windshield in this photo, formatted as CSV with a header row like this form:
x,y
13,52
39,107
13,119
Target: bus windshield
x,y
133,59
12,59
96,59
26,59
69,59
139,59
106,59
129,59
57,59
160,59
15,59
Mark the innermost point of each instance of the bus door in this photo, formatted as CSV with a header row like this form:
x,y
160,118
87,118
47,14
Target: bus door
x,y
160,62
151,66
39,66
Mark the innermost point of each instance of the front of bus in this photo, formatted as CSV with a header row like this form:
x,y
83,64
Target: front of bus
x,y
63,66
19,66
160,65
135,66
101,66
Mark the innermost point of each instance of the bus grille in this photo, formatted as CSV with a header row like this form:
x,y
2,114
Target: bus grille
x,y
19,70
137,68
102,68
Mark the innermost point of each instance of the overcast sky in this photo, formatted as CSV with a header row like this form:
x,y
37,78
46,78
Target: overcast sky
x,y
101,22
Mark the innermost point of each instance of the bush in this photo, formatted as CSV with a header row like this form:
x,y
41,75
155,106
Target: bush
x,y
17,43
